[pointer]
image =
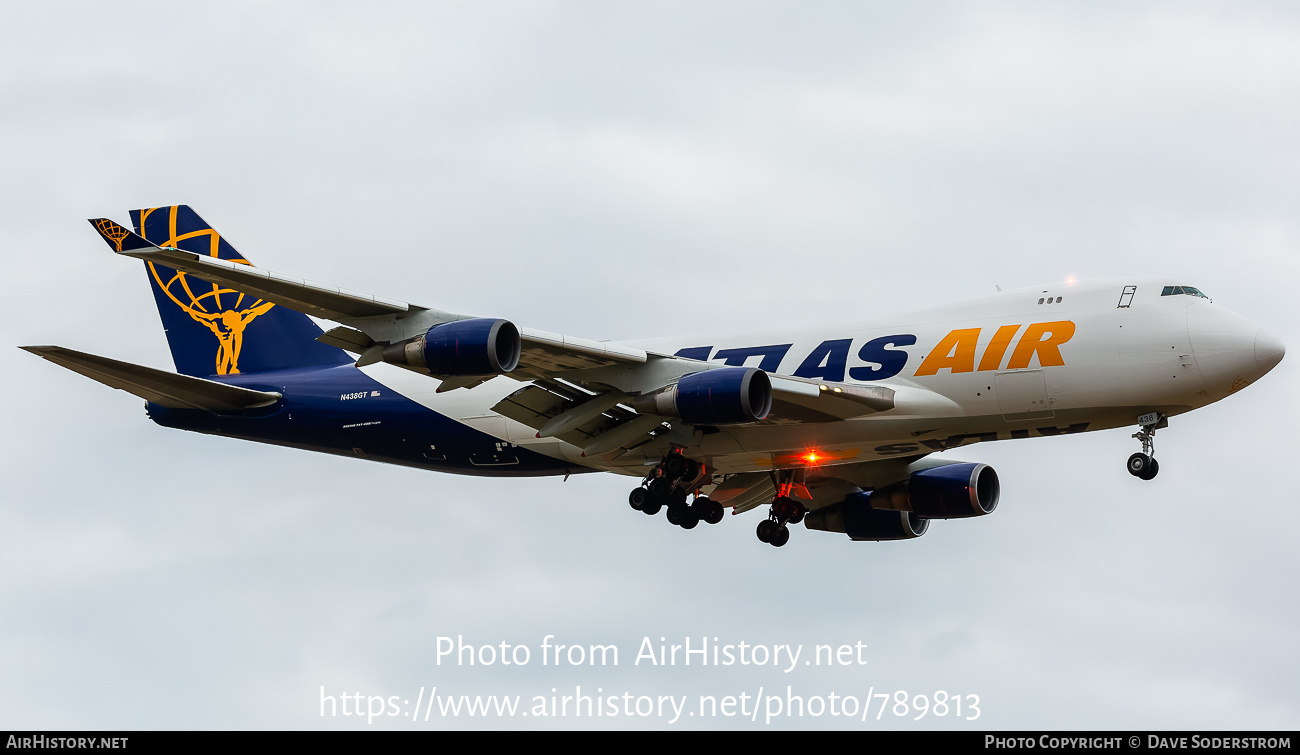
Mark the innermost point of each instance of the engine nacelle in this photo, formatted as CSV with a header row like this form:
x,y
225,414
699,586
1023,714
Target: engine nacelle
x,y
952,491
855,517
725,396
482,346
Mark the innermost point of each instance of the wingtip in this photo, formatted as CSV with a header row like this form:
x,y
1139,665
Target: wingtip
x,y
118,237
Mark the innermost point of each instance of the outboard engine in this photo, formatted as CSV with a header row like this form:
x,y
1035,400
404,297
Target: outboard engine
x,y
903,511
953,491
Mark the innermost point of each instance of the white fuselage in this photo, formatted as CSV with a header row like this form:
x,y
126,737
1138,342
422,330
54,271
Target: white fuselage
x,y
1026,363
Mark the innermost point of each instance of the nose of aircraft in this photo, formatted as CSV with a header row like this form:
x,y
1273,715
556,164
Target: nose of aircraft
x,y
1268,351
1231,351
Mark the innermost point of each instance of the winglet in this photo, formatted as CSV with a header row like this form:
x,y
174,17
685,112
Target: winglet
x,y
119,238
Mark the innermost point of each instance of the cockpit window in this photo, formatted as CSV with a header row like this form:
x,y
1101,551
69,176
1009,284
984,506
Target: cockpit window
x,y
1190,291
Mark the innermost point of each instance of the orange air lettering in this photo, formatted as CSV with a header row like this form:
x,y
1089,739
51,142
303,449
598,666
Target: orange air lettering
x,y
955,352
1048,349
998,347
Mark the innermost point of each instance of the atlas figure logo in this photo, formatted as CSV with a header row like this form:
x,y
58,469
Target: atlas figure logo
x,y
227,324
202,301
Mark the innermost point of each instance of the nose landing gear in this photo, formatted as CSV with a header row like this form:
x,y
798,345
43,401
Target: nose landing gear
x,y
1144,465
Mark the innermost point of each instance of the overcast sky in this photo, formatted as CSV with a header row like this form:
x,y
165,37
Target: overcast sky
x,y
627,170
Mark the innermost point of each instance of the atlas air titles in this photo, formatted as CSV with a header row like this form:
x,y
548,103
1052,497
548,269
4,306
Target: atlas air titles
x,y
885,357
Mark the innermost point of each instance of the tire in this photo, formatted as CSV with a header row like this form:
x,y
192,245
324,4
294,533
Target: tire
x,y
713,512
780,537
799,511
1139,465
652,507
766,529
638,498
1152,470
675,466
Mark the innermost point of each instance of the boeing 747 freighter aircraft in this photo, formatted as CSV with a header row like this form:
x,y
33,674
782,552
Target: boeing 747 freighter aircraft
x,y
833,427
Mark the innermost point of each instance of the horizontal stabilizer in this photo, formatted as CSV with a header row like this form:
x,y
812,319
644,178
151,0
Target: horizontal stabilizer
x,y
156,386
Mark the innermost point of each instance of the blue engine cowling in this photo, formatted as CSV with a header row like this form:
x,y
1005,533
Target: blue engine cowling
x,y
903,510
725,396
952,491
855,517
482,346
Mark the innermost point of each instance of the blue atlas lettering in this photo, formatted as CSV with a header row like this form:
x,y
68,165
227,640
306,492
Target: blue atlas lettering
x,y
827,362
695,352
877,351
772,356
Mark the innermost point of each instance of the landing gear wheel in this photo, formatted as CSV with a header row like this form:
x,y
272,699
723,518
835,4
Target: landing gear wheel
x,y
652,507
1152,471
780,537
1140,465
712,510
674,514
688,520
784,508
766,529
799,511
638,498
676,466
660,488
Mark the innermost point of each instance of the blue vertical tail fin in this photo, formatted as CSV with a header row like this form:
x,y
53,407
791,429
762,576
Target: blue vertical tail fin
x,y
215,330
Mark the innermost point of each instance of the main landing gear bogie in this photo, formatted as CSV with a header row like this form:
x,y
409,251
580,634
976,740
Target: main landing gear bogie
x,y
669,485
773,533
784,511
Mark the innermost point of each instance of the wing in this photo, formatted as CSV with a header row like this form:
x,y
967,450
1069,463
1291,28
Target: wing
x,y
367,320
580,390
